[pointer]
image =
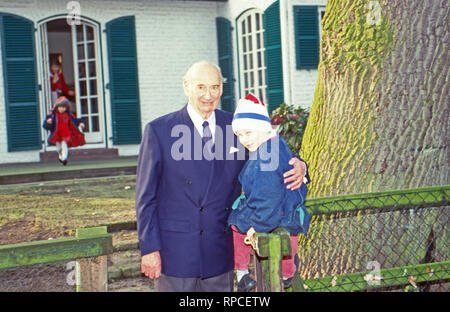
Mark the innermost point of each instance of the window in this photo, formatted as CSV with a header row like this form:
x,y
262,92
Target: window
x,y
252,67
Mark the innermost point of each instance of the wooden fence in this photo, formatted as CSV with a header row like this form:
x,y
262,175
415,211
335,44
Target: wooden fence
x,y
89,247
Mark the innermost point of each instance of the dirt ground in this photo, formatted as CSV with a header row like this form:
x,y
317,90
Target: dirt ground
x,y
50,210
48,277
40,211
22,230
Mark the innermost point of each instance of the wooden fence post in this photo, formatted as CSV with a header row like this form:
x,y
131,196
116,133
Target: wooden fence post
x,y
271,248
274,262
92,272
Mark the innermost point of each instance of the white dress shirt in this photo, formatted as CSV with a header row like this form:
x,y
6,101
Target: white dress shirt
x,y
198,121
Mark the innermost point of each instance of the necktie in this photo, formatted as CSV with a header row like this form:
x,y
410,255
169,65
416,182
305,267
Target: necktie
x,y
207,140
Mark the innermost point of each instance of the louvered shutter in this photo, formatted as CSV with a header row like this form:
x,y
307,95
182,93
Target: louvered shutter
x,y
306,21
274,62
123,81
226,61
20,83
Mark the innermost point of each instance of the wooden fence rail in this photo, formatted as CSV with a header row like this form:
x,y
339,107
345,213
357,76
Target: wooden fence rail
x,y
89,247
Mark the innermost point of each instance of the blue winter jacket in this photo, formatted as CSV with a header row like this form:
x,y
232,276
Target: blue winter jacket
x,y
266,203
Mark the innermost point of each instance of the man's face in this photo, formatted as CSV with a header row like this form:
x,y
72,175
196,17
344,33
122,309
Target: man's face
x,y
251,139
204,89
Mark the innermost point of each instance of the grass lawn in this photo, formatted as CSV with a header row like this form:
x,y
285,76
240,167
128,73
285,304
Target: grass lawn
x,y
55,209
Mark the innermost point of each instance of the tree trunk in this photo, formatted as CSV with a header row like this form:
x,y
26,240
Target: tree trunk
x,y
380,117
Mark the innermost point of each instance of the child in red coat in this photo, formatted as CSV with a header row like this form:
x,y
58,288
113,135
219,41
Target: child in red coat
x,y
64,129
58,82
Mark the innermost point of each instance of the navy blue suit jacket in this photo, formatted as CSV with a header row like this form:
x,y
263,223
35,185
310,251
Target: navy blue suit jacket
x,y
182,210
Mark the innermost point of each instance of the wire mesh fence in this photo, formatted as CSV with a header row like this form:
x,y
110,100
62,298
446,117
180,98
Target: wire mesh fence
x,y
48,277
380,241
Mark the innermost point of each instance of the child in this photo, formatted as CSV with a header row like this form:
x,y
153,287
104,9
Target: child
x,y
266,203
58,82
63,129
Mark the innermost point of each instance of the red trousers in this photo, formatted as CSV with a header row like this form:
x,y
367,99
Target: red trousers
x,y
242,254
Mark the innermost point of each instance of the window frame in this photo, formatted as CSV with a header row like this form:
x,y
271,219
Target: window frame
x,y
251,65
320,9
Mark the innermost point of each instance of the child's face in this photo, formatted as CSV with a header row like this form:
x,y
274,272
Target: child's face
x,y
55,69
251,139
61,109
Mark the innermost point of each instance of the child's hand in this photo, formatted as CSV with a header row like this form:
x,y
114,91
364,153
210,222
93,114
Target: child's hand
x,y
250,239
82,125
251,231
49,121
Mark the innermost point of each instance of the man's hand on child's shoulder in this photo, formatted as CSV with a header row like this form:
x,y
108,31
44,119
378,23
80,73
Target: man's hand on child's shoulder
x,y
295,175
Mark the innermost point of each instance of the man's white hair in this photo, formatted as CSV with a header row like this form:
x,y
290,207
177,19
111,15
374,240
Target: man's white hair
x,y
188,74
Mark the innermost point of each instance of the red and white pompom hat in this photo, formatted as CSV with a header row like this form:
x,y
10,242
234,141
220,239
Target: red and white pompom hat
x,y
251,114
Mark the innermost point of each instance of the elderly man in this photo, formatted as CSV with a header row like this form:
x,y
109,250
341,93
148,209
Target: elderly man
x,y
182,205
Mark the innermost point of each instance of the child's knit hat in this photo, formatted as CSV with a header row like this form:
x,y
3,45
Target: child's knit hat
x,y
251,114
62,101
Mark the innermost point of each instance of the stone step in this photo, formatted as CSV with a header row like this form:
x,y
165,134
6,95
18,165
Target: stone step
x,y
81,154
125,262
124,257
124,271
126,245
133,284
124,240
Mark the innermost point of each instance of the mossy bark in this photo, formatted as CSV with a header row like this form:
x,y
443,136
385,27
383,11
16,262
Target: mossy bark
x,y
379,119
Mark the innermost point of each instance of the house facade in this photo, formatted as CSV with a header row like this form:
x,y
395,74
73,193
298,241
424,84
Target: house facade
x,y
125,61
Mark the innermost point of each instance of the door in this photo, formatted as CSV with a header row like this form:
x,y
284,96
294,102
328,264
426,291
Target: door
x,y
88,80
83,56
44,69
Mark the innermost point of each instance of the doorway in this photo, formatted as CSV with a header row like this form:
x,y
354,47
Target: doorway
x,y
76,48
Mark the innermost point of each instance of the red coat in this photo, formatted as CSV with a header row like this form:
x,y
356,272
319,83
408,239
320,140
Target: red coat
x,y
67,132
60,85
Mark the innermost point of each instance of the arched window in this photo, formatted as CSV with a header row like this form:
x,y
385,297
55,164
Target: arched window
x,y
252,67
